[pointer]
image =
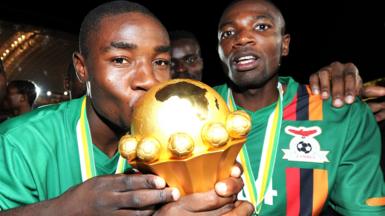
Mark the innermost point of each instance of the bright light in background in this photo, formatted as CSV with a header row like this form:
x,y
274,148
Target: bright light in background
x,y
65,93
38,90
49,93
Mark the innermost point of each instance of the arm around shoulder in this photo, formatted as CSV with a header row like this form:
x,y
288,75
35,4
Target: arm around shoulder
x,y
47,207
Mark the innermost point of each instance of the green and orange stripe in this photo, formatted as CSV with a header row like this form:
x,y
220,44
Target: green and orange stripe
x,y
306,191
304,106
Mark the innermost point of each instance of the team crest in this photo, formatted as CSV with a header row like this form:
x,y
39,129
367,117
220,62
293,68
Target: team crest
x,y
304,147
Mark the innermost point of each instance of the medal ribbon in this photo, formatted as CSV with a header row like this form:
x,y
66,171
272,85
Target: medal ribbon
x,y
256,190
85,147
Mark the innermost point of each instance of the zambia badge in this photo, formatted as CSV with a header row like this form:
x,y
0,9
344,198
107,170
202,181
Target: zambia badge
x,y
304,147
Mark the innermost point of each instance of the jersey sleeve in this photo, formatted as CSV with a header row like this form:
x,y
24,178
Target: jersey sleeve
x,y
360,188
17,185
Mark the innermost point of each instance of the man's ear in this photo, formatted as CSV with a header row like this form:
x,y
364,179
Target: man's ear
x,y
23,98
285,44
80,67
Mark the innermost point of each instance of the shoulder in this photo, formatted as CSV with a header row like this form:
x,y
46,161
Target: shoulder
x,y
358,110
307,106
40,123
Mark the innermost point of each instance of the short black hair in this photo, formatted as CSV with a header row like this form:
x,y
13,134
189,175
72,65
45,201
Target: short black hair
x,y
272,3
92,19
25,87
181,34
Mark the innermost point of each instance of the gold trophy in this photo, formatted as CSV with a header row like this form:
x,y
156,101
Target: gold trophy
x,y
183,131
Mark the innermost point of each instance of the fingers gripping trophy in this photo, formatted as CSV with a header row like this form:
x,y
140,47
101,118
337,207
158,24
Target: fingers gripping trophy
x,y
183,131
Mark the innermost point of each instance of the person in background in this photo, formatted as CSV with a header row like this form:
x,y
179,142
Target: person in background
x,y
186,59
21,95
302,154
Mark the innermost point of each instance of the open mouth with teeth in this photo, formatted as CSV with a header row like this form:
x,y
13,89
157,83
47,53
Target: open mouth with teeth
x,y
244,63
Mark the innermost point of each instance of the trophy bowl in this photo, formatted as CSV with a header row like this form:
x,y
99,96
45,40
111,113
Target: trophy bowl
x,y
183,131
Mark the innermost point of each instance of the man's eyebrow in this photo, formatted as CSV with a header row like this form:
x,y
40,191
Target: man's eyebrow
x,y
120,45
131,46
162,49
191,55
258,17
265,16
225,24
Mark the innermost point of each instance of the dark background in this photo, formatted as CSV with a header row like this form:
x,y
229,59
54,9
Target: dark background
x,y
322,31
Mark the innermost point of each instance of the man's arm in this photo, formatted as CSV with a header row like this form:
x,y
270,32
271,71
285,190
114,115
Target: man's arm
x,y
41,208
125,194
22,183
138,194
106,195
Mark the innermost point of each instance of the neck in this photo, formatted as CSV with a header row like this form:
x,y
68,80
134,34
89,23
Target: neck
x,y
257,98
102,133
21,110
25,109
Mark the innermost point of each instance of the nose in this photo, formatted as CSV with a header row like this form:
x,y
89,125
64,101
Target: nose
x,y
179,67
244,38
144,77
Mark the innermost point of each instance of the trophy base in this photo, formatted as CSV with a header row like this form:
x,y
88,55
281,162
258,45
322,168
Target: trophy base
x,y
198,173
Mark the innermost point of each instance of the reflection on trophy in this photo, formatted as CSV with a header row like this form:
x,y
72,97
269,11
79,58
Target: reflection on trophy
x,y
183,131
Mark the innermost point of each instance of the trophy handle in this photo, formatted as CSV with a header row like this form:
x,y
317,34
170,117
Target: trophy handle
x,y
196,174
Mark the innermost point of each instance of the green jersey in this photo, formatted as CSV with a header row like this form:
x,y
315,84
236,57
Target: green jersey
x,y
325,155
39,157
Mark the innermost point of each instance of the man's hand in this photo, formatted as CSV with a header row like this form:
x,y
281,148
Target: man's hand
x,y
241,208
378,108
345,83
342,80
117,195
219,201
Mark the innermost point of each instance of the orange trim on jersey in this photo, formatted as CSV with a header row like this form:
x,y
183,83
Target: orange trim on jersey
x,y
315,106
320,190
376,201
306,191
